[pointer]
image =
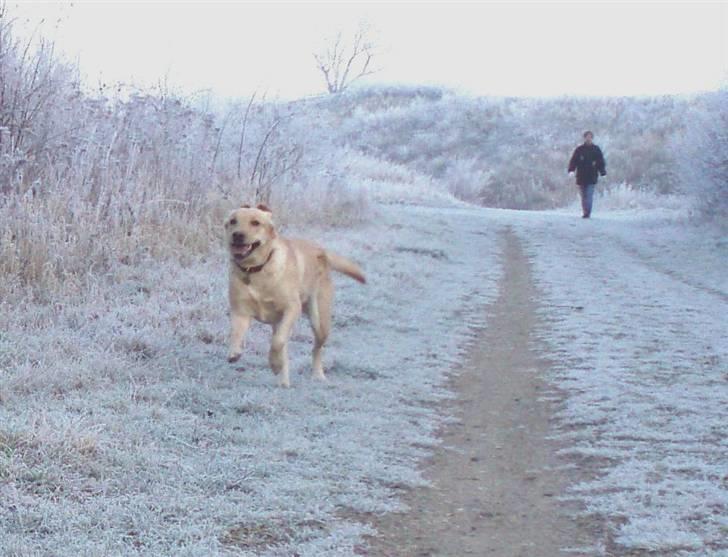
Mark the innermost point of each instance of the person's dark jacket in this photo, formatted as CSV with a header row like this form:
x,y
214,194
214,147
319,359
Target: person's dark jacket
x,y
588,162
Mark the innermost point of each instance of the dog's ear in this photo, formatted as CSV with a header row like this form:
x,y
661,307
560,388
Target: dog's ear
x,y
246,206
265,208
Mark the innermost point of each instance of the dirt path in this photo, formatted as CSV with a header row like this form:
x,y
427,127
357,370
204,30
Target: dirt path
x,y
496,482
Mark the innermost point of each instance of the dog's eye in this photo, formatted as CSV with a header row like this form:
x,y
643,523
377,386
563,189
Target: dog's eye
x,y
254,223
233,222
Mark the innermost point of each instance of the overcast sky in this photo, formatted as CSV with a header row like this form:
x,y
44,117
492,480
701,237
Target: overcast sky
x,y
532,49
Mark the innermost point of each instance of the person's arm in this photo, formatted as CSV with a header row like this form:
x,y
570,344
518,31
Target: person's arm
x,y
572,162
601,163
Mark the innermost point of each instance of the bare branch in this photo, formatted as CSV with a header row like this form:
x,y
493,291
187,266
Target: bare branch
x,y
242,131
341,65
260,154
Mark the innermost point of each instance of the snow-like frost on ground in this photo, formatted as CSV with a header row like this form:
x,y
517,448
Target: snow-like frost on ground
x,y
635,315
124,431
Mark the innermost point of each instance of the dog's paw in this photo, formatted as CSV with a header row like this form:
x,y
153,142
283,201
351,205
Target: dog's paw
x,y
318,376
283,379
234,356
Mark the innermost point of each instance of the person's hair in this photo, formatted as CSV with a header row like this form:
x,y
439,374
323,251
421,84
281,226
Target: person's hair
x,y
587,132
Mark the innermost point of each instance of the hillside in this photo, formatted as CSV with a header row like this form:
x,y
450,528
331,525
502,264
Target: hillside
x,y
509,152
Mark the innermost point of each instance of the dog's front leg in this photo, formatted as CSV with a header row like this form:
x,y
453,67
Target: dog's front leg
x,y
278,356
239,325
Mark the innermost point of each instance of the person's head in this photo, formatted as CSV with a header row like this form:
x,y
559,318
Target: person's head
x,y
588,137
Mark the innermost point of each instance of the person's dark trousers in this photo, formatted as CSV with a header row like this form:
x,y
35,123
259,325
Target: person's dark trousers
x,y
587,199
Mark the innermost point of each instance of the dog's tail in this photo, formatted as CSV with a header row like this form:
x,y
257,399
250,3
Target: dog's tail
x,y
343,265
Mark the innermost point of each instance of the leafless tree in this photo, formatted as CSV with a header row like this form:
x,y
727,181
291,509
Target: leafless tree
x,y
342,62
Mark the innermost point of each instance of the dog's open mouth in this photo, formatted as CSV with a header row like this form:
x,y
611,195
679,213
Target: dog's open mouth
x,y
241,251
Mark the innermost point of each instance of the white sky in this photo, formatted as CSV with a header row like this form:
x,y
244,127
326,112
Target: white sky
x,y
532,49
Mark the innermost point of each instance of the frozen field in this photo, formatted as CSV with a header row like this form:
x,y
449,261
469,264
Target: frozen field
x,y
123,430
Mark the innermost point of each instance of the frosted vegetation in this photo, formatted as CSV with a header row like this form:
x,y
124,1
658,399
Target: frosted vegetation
x,y
90,180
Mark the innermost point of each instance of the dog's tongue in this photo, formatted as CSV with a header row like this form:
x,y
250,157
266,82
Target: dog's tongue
x,y
241,251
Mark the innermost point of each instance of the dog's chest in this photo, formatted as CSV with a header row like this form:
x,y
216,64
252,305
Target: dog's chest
x,y
261,304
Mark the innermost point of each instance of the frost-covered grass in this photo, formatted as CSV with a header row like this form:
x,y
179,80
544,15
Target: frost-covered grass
x,y
635,317
123,431
387,182
625,197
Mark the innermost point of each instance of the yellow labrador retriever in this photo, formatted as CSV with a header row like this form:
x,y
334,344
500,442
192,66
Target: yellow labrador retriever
x,y
273,279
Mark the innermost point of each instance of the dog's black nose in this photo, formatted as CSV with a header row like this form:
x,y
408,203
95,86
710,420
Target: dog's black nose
x,y
238,237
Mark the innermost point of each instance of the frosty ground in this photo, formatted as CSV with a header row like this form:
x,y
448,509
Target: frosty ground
x,y
636,310
124,431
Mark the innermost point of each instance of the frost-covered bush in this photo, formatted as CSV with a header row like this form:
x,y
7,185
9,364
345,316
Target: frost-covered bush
x,y
40,105
387,182
89,181
702,156
467,179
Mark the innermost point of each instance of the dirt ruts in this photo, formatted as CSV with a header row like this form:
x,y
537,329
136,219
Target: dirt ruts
x,y
496,480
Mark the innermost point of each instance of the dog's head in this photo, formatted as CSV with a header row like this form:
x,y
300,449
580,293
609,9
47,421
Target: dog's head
x,y
248,228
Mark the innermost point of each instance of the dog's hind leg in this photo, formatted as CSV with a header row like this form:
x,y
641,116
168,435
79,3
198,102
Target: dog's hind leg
x,y
320,316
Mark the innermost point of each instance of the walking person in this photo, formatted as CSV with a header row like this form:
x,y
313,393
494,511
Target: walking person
x,y
588,162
